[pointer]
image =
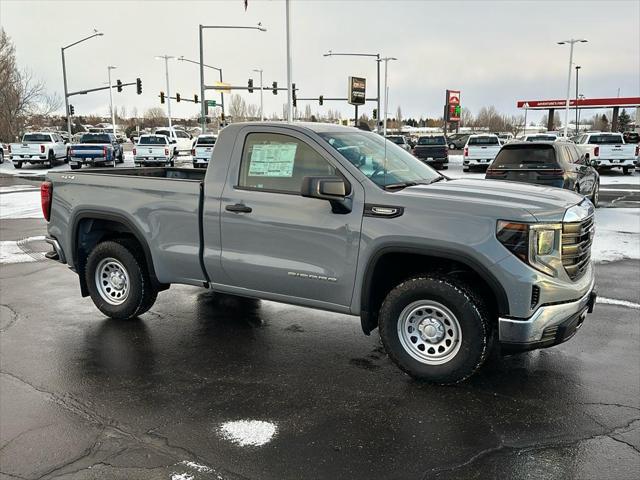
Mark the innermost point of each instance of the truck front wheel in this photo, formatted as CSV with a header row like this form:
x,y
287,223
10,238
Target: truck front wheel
x,y
435,329
118,280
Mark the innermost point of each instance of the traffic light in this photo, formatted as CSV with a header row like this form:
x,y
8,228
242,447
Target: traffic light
x,y
139,86
293,95
375,113
250,85
177,98
275,88
71,110
119,84
321,99
161,97
195,99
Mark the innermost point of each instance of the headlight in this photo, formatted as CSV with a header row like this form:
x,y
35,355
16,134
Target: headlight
x,y
535,244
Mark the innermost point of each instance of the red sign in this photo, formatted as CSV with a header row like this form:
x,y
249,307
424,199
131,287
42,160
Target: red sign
x,y
582,103
453,97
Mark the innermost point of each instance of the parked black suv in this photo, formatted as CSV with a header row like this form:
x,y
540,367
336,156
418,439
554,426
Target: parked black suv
x,y
558,164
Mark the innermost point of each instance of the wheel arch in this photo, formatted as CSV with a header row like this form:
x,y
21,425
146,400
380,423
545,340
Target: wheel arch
x,y
90,227
390,265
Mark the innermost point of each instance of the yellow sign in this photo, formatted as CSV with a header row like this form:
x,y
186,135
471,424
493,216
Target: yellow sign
x,y
220,87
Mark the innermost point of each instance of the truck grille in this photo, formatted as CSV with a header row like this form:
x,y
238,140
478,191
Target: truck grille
x,y
577,238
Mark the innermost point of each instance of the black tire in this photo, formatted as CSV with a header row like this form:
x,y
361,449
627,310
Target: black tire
x,y
465,169
141,294
121,157
452,146
1,156
67,158
468,311
595,195
626,170
51,159
75,167
17,165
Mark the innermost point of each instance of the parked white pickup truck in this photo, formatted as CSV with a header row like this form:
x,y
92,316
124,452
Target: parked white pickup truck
x,y
608,150
480,151
203,149
183,142
153,150
39,147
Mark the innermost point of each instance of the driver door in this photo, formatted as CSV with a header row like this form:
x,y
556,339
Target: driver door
x,y
274,240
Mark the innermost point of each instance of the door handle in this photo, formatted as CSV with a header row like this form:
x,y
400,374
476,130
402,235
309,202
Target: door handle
x,y
238,208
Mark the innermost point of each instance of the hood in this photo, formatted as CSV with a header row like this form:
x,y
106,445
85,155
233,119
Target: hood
x,y
546,204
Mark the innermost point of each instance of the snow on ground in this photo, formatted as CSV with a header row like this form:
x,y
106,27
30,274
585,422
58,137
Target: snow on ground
x,y
248,433
20,203
619,303
617,234
11,251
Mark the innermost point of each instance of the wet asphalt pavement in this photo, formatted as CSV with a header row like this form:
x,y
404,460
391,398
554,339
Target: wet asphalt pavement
x,y
85,397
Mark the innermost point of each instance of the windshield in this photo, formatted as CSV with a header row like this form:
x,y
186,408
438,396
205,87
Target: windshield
x,y
484,141
166,133
206,141
541,138
431,141
95,139
367,150
606,139
148,140
36,137
525,157
396,140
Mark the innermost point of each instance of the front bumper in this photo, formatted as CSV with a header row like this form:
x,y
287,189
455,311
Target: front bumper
x,y
550,325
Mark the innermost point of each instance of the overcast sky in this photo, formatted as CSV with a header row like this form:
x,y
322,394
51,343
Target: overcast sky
x,y
494,52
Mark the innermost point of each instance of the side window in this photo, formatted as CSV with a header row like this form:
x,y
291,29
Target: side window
x,y
276,162
579,158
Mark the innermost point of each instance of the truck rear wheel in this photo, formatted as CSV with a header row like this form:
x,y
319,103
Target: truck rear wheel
x,y
626,170
435,329
17,165
118,281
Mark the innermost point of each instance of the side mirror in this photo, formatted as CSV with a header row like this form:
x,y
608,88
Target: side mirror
x,y
324,188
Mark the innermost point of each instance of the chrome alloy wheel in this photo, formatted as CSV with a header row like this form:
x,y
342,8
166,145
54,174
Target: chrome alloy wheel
x,y
112,281
429,332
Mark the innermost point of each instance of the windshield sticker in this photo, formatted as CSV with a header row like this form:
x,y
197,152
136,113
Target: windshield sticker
x,y
272,160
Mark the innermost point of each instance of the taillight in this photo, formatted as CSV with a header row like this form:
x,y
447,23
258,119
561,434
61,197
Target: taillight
x,y
9,148
466,151
41,148
596,151
637,150
193,151
104,152
134,150
166,151
555,171
46,193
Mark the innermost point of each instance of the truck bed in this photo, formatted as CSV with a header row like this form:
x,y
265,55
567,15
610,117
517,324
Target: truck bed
x,y
162,205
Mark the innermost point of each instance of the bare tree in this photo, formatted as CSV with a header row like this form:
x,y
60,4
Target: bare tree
x,y
154,117
252,111
21,94
237,108
466,118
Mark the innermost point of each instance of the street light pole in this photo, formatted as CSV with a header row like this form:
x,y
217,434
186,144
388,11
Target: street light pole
x,y
378,60
571,43
200,29
578,67
261,95
113,114
166,59
200,64
386,93
64,77
289,86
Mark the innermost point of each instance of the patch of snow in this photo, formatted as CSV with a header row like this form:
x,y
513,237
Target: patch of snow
x,y
181,476
24,204
620,303
18,188
10,251
196,466
245,433
617,234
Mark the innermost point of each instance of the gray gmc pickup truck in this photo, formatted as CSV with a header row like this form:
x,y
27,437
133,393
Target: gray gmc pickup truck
x,y
337,219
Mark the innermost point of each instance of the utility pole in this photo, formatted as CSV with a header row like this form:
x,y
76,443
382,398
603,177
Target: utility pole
x,y
113,113
571,43
259,70
289,91
166,59
64,77
578,67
